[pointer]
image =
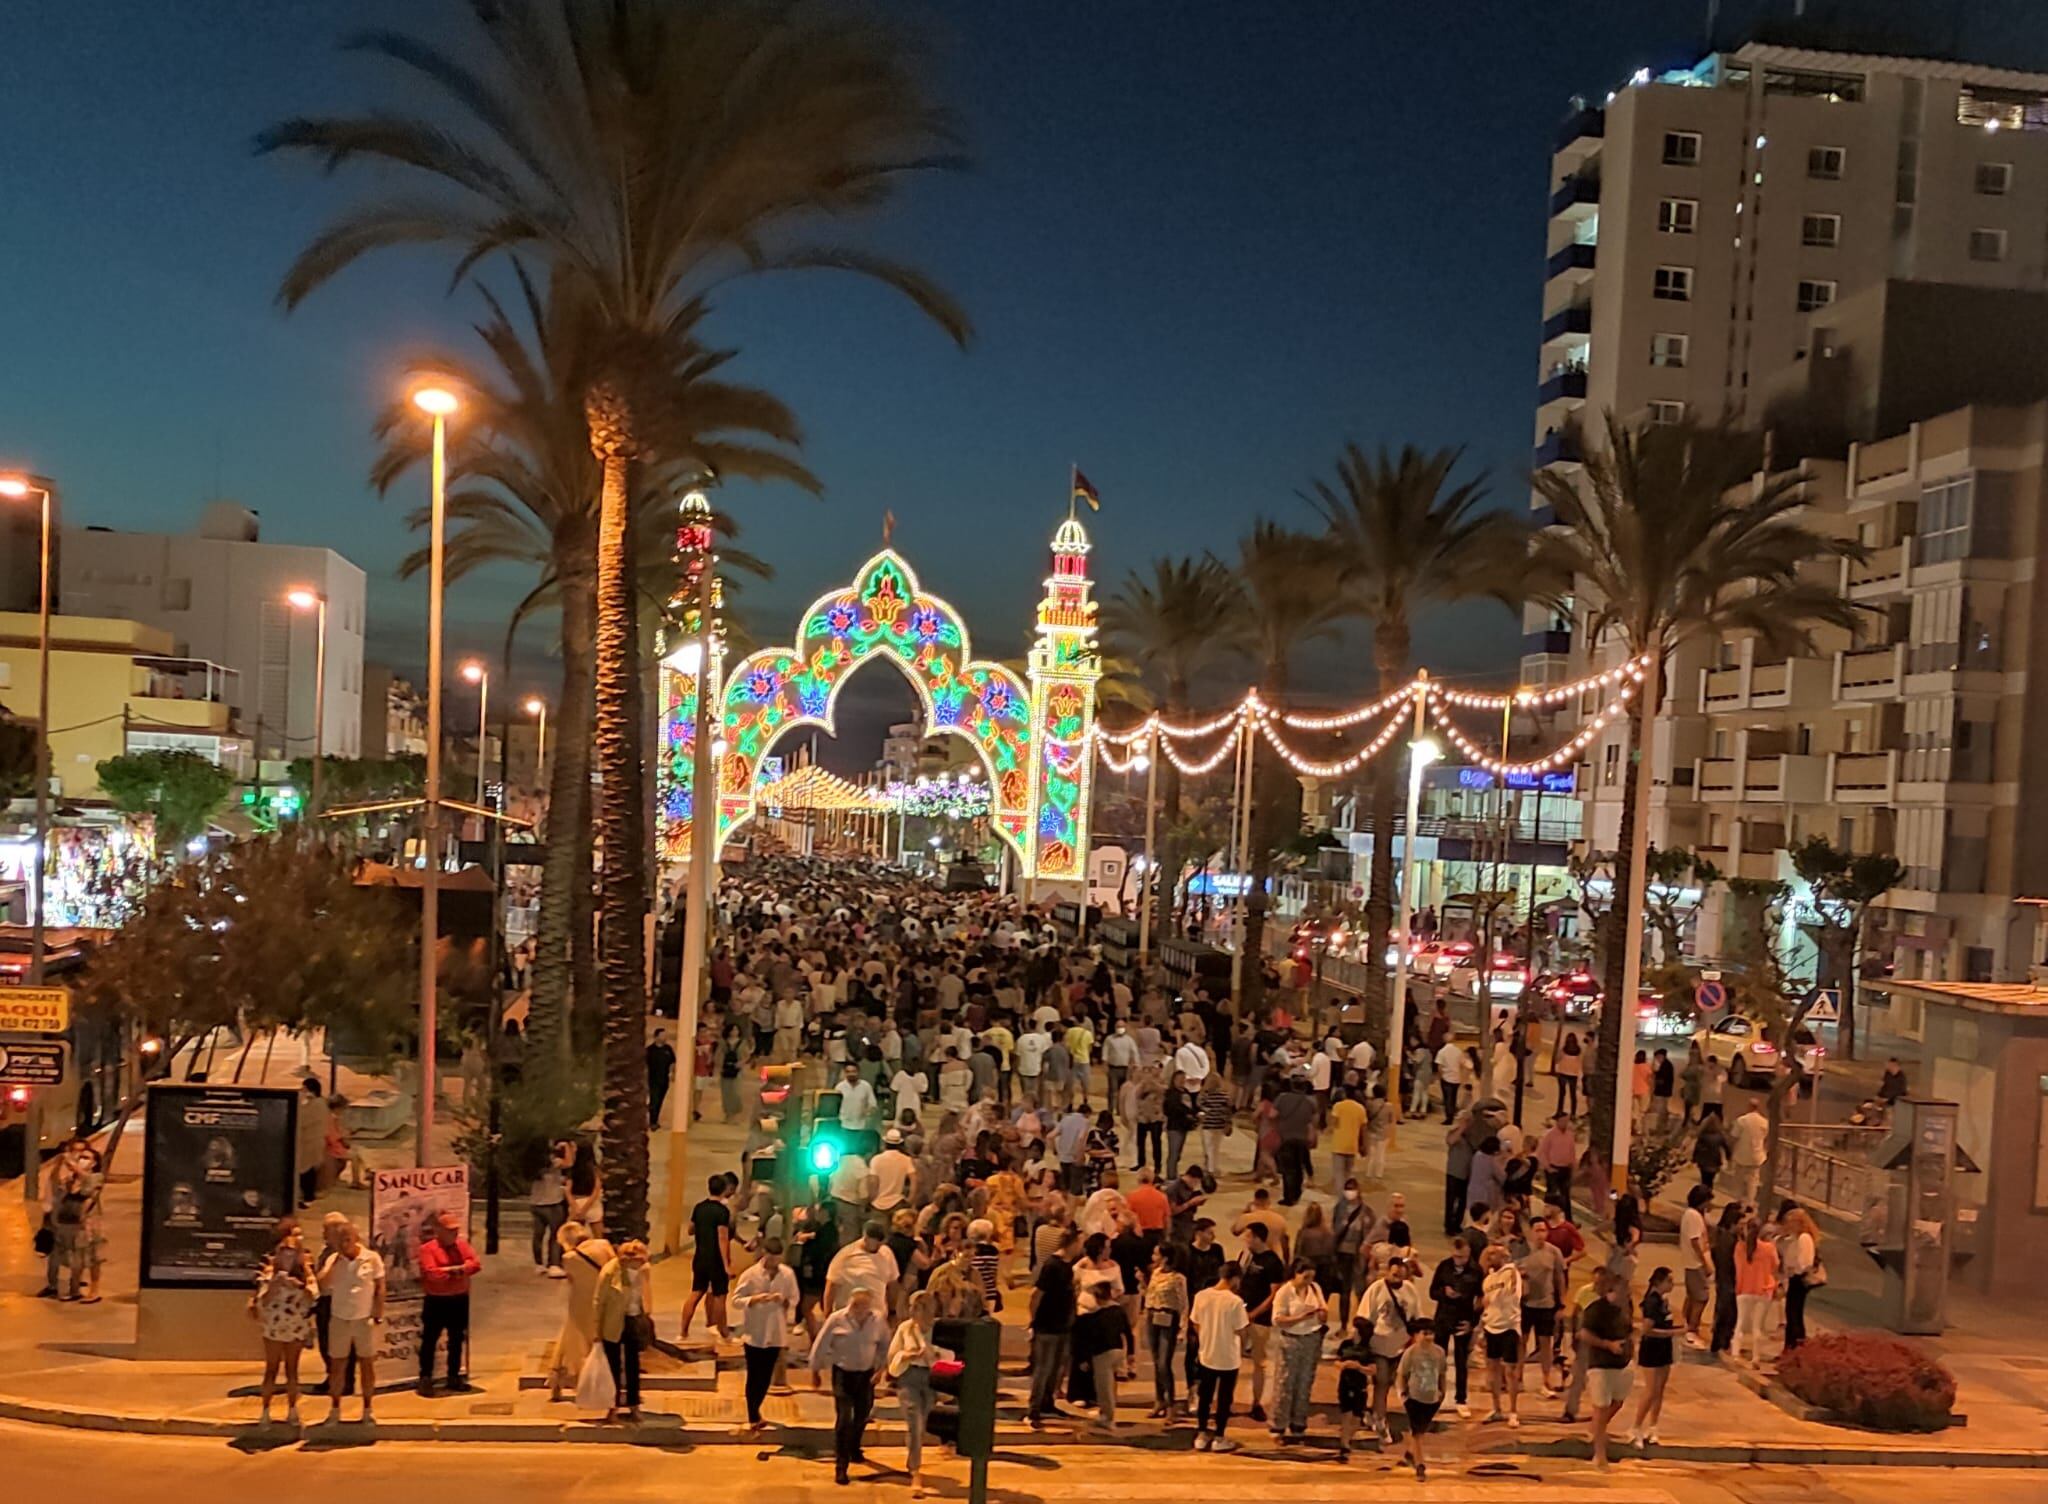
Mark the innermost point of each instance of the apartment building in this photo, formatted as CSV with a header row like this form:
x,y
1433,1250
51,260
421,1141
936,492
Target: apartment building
x,y
1924,733
1703,223
220,592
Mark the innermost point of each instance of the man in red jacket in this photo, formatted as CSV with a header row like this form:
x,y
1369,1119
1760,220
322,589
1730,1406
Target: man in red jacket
x,y
446,1264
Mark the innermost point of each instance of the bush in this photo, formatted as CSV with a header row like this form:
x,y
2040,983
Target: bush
x,y
1872,1380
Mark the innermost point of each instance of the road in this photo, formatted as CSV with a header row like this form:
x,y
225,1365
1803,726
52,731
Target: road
x,y
48,1464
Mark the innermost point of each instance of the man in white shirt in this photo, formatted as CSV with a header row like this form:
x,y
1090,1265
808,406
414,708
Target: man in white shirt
x,y
1119,1054
766,1297
890,1174
1361,1059
864,1265
352,1277
1101,1212
1392,1309
1451,1070
1749,1137
909,1087
1031,1048
1695,1259
856,1100
1217,1321
850,1185
1192,1061
789,1028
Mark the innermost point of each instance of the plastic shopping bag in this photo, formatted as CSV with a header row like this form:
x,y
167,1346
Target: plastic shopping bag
x,y
594,1387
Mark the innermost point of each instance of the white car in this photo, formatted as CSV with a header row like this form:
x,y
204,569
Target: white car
x,y
1506,979
1743,1045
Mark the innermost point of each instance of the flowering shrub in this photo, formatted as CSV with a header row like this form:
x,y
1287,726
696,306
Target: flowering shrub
x,y
1872,1380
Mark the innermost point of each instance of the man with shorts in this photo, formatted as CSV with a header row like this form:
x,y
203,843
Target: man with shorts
x,y
1391,1310
352,1277
1695,1258
1607,1333
1543,1284
711,1260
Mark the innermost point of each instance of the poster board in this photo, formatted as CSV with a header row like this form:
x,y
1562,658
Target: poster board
x,y
403,1204
218,1170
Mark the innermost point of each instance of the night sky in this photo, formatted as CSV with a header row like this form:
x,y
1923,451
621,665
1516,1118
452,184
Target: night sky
x,y
1204,244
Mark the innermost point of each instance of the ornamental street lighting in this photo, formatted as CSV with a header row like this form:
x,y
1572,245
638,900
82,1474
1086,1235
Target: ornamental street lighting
x,y
20,488
537,707
302,598
439,404
475,672
1421,753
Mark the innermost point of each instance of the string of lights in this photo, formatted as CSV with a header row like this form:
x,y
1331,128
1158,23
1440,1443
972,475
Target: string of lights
x,y
1343,765
1196,768
1542,696
1477,756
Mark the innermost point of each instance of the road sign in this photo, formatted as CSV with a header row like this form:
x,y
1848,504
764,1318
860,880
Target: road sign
x,y
35,1010
1827,1006
31,1062
1711,996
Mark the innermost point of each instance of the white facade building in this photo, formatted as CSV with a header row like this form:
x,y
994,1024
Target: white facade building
x,y
220,592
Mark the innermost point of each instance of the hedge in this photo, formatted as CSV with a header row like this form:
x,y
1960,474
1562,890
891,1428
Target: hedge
x,y
1872,1380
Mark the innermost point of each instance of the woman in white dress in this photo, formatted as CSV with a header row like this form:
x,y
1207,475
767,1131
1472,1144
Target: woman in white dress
x,y
584,1256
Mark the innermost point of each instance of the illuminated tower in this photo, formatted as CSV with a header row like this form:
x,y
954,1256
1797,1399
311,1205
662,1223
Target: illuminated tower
x,y
1065,663
683,677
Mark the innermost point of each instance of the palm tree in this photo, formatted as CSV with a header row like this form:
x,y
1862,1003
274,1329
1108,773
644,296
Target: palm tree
x,y
524,491
1167,626
648,152
1405,542
1292,597
1672,534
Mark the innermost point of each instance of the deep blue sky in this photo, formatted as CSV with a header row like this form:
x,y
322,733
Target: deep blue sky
x,y
1204,244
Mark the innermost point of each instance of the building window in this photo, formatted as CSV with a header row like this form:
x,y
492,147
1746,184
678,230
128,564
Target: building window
x,y
1681,148
1678,216
1825,163
1664,414
1942,534
1987,245
1994,179
1820,231
1668,349
1610,765
1814,295
1673,283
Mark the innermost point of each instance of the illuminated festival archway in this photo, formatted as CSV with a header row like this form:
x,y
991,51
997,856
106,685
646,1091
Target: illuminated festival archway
x,y
1032,737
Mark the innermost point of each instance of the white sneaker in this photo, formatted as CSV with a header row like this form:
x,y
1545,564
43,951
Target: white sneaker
x,y
1223,1444
1464,1412
1202,1440
1514,1422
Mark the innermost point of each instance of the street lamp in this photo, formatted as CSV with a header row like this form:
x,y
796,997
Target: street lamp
x,y
475,672
439,404
1421,753
20,488
536,706
301,598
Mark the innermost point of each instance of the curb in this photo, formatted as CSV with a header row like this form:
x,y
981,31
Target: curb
x,y
667,1432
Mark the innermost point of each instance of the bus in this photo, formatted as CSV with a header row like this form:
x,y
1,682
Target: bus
x,y
96,1082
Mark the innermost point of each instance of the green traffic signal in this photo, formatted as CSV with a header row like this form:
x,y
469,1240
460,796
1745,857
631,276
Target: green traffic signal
x,y
824,1155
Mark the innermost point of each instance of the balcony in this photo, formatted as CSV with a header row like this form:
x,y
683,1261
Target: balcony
x,y
1872,674
1863,777
1769,684
1559,448
1714,779
1883,573
1722,689
1576,197
1758,866
1575,261
1787,778
1582,129
1566,384
1576,319
1552,640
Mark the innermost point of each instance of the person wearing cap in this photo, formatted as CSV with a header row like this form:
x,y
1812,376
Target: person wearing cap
x,y
891,1173
446,1263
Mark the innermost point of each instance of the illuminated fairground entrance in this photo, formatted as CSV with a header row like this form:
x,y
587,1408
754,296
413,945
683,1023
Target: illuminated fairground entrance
x,y
1031,733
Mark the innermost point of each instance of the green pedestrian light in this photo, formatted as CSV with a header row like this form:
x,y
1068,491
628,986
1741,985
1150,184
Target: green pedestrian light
x,y
824,1155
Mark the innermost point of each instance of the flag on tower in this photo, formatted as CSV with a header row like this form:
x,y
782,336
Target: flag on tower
x,y
1084,490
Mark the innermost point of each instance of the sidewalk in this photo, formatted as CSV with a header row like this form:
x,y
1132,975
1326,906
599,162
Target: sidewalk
x,y
68,1365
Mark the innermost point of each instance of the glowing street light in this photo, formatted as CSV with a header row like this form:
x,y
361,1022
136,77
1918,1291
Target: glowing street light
x,y
438,403
536,706
475,672
304,598
20,488
1421,753
435,401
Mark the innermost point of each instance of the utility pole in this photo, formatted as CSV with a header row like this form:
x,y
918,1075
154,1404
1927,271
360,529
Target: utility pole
x,y
1151,875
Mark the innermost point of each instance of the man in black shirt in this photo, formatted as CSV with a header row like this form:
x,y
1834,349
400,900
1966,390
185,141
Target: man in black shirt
x,y
711,1260
1294,1116
1607,1331
1264,1274
1052,1324
1455,1290
661,1069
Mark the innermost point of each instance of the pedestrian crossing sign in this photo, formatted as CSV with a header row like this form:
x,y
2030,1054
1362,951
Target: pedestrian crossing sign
x,y
1827,1006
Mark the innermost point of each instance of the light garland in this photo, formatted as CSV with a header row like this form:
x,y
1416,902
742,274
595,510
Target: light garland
x,y
1542,698
960,798
1350,717
1135,763
1343,765
1557,759
814,788
1196,769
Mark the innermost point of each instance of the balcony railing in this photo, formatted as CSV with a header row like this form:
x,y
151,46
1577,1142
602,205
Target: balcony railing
x,y
1863,777
1720,688
1884,566
1716,777
1568,383
1575,319
1576,257
1872,674
1559,448
1588,124
1579,191
1551,640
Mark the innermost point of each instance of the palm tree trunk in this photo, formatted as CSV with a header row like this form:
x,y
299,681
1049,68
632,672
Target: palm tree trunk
x,y
1390,647
1607,1063
566,866
621,816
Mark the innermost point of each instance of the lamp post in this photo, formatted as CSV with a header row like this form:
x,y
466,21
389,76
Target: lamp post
x,y
18,488
1421,753
301,598
1642,754
438,403
475,672
1151,874
538,708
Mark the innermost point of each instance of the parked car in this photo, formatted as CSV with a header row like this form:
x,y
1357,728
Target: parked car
x,y
1743,1045
1572,995
1505,979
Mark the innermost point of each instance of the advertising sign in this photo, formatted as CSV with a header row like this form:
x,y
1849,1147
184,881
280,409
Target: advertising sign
x,y
35,1010
217,1173
31,1062
403,1204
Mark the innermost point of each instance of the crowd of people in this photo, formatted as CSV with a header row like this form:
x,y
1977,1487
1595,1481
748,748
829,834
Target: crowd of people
x,y
1028,1126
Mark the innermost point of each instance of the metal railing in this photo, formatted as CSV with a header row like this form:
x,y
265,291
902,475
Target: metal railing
x,y
1827,1166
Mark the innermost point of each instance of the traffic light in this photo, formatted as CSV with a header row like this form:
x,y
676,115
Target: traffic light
x,y
823,1154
